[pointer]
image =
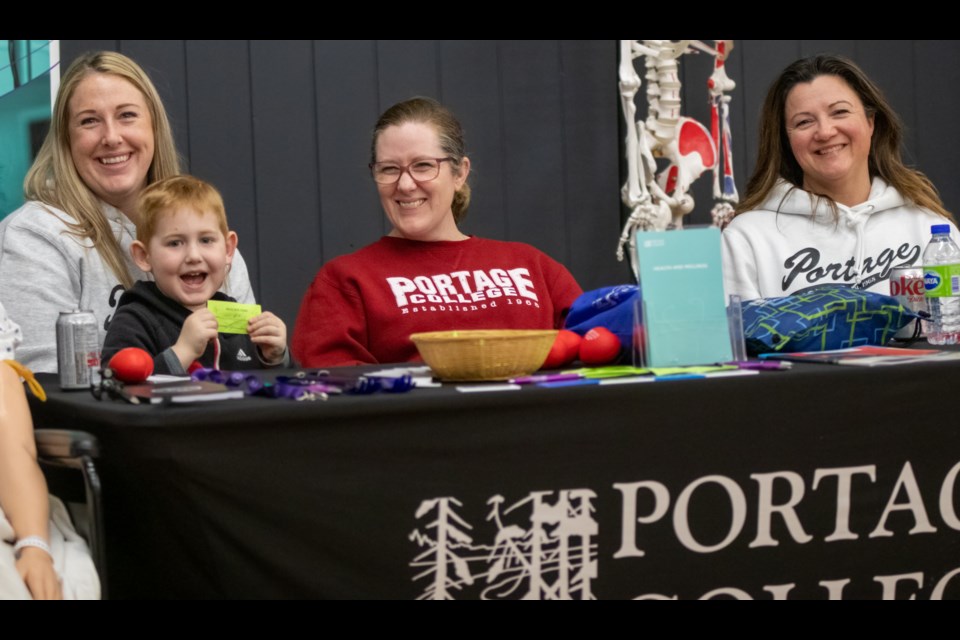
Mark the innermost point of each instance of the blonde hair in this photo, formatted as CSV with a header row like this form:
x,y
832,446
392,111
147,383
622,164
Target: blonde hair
x,y
178,192
449,131
775,159
54,180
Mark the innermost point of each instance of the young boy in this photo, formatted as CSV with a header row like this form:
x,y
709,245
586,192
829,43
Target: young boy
x,y
183,240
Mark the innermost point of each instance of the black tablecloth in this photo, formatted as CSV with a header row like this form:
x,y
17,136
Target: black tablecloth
x,y
824,481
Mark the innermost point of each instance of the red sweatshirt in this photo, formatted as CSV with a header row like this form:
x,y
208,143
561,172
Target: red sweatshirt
x,y
362,307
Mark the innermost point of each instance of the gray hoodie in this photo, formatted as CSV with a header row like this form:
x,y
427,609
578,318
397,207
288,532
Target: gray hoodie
x,y
44,270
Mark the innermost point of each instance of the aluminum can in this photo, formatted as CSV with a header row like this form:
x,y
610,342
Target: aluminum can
x,y
78,349
906,285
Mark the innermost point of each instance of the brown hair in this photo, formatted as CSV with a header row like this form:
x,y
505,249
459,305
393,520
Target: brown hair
x,y
53,178
168,195
449,131
775,159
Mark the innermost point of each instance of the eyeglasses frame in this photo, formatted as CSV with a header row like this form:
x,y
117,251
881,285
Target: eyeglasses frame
x,y
406,169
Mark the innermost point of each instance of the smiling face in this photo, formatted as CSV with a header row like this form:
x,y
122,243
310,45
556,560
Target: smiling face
x,y
419,210
829,133
188,256
111,138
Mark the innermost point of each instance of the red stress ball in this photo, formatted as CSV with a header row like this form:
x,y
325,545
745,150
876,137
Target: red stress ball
x,y
131,365
599,346
565,349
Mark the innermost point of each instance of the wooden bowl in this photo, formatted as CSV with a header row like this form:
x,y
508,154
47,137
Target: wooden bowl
x,y
488,354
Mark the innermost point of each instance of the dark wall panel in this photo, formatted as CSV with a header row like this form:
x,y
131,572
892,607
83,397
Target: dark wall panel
x,y
70,49
285,161
533,148
937,127
347,95
841,47
406,69
590,188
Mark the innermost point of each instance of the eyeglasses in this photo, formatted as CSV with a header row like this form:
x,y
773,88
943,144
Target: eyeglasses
x,y
422,170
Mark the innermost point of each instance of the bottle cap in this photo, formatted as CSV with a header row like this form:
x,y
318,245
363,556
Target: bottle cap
x,y
940,228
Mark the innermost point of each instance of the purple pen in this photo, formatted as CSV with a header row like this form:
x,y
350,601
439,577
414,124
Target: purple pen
x,y
547,377
764,365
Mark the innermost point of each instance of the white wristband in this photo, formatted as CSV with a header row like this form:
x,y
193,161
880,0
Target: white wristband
x,y
30,541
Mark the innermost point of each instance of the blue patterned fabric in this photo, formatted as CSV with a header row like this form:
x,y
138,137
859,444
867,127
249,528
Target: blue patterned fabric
x,y
822,318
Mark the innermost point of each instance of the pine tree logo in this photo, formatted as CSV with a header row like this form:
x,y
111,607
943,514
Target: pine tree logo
x,y
445,559
550,555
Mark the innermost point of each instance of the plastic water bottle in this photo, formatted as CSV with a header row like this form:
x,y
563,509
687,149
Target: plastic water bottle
x,y
941,282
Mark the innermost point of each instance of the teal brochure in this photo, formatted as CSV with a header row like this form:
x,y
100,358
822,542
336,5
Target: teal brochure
x,y
681,280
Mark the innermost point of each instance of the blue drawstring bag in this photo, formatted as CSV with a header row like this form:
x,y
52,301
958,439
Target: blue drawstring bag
x,y
821,319
608,307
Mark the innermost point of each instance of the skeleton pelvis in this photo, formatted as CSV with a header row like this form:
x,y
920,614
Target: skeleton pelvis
x,y
690,154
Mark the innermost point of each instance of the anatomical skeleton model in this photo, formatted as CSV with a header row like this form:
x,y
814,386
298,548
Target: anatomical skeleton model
x,y
659,200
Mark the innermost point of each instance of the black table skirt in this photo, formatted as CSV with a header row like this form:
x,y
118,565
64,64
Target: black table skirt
x,y
824,481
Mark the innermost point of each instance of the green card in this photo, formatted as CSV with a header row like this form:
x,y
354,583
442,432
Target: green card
x,y
232,316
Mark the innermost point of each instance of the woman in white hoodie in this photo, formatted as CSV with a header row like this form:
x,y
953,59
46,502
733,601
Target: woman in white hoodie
x,y
830,200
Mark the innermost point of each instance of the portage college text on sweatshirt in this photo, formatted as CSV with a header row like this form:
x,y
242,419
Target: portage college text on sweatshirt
x,y
362,307
795,242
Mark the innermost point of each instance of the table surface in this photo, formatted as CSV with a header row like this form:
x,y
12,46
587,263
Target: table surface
x,y
823,481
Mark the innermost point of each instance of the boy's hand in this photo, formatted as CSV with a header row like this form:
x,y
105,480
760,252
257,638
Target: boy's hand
x,y
268,332
198,330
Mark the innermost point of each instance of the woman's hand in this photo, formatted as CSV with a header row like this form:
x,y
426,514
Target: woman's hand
x,y
268,332
198,330
36,568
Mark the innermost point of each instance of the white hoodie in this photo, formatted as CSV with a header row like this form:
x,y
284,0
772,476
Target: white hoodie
x,y
787,246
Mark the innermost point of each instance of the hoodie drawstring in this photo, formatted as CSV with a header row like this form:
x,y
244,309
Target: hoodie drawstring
x,y
856,218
